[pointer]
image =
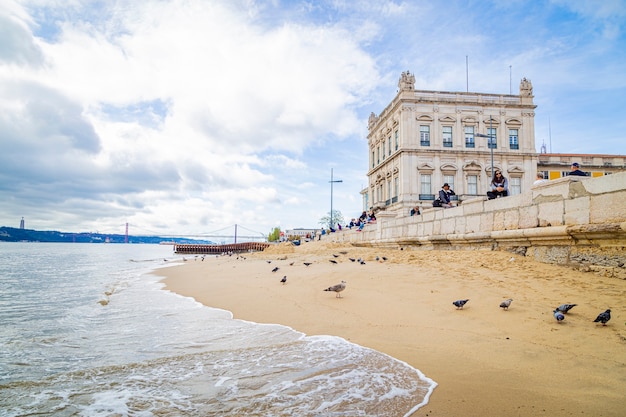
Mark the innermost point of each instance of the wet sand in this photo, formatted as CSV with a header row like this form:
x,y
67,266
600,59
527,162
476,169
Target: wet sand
x,y
486,361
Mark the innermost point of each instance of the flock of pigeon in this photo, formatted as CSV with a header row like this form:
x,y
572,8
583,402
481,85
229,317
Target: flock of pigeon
x,y
559,312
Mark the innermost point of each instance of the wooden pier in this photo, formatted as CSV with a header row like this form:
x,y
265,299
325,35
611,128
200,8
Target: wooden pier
x,y
217,249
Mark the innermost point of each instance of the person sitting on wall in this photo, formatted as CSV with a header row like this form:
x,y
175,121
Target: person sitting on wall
x,y
499,186
415,211
444,196
574,170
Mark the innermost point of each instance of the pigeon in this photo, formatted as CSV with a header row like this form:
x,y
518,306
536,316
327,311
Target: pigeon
x,y
275,269
377,258
284,280
558,315
384,258
506,303
291,263
333,261
336,256
352,259
362,262
564,308
460,303
307,263
337,288
603,317
269,262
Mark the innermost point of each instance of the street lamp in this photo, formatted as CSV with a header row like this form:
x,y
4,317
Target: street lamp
x,y
489,142
330,222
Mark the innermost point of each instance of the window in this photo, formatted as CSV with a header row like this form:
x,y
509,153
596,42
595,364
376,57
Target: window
x,y
447,136
396,186
425,184
469,136
515,185
472,184
450,180
513,139
425,135
373,160
493,138
388,199
378,154
383,145
389,144
396,140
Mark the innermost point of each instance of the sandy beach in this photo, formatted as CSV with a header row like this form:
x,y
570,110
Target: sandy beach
x,y
486,361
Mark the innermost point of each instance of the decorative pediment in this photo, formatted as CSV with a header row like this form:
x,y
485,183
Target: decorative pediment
x,y
514,122
472,166
515,170
448,168
491,121
447,119
488,170
425,167
469,120
425,118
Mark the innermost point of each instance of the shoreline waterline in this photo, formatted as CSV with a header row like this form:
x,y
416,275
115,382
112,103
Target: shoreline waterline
x,y
484,359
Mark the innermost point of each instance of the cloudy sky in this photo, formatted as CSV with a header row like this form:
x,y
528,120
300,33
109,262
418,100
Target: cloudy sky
x,y
191,116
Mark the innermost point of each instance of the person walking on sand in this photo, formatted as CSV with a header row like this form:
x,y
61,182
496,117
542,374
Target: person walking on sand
x,y
499,186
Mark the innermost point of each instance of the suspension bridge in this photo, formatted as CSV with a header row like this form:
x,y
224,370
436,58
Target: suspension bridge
x,y
230,234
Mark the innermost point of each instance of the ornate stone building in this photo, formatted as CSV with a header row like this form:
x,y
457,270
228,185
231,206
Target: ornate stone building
x,y
423,139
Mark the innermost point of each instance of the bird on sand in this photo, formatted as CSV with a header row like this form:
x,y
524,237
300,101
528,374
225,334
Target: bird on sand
x,y
564,308
352,259
333,261
460,303
603,317
275,269
291,263
284,280
337,288
506,303
307,263
558,315
269,262
335,255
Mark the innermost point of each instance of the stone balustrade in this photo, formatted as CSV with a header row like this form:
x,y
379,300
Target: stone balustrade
x,y
580,221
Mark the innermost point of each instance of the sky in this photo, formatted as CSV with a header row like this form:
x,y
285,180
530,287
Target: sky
x,y
188,117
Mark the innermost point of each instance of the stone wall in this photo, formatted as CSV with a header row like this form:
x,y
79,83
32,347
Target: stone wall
x,y
578,221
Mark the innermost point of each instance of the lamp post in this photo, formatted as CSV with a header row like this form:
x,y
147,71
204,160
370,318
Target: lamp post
x,y
489,142
330,222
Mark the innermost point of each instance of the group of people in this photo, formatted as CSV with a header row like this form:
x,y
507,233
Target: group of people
x,y
499,187
363,219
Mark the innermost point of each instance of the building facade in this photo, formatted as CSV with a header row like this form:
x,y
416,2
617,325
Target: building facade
x,y
557,165
424,139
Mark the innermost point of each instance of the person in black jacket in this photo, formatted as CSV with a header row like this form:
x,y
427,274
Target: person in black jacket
x,y
576,171
444,196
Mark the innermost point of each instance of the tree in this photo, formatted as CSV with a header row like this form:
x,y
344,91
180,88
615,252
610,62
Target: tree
x,y
337,218
274,235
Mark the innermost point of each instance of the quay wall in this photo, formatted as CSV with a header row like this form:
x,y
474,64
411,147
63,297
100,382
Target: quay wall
x,y
578,221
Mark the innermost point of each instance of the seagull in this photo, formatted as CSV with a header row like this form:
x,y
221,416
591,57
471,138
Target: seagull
x,y
337,288
284,280
603,317
506,303
460,303
307,263
564,308
558,315
333,261
275,269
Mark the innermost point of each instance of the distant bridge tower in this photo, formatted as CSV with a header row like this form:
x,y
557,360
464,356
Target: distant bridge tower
x,y
126,235
22,223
